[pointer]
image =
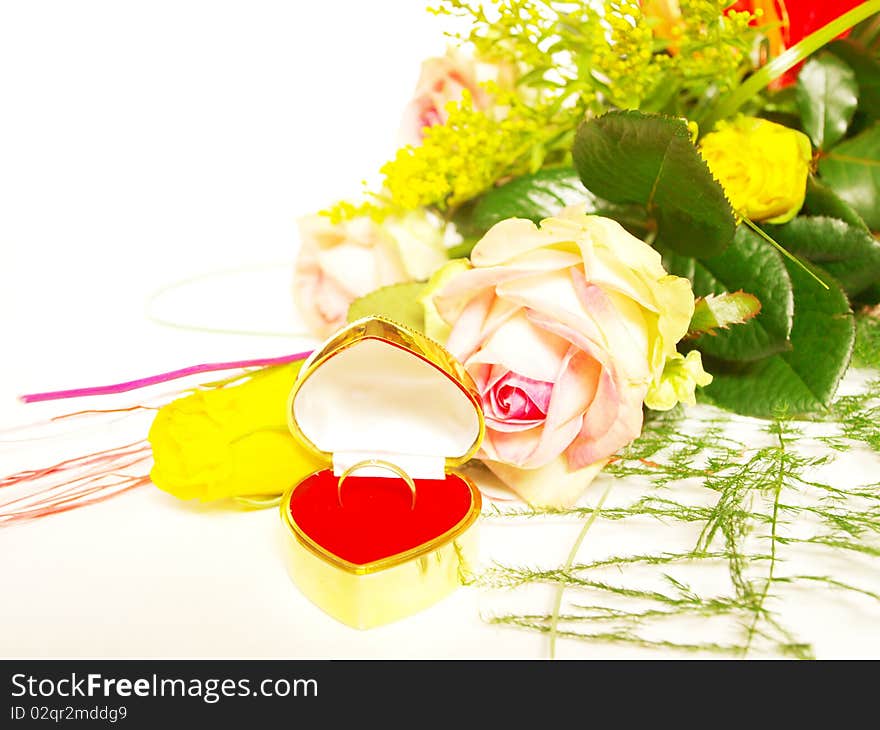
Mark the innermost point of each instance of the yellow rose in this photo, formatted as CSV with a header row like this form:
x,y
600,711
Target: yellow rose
x,y
230,442
762,167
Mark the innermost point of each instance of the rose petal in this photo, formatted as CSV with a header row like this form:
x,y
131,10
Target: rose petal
x,y
441,80
603,412
574,392
331,301
520,347
507,426
588,447
555,297
571,395
534,447
623,325
575,388
457,294
486,377
459,290
553,485
466,335
355,269
538,392
561,256
514,402
507,240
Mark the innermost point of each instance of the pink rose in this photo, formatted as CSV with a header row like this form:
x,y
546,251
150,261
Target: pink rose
x,y
338,263
565,328
442,80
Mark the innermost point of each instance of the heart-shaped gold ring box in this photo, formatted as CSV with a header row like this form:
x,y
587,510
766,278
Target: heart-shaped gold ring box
x,y
387,529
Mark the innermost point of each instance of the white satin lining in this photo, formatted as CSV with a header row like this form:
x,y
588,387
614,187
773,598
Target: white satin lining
x,y
377,401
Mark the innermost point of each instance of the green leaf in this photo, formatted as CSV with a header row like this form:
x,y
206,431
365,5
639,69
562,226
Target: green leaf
x,y
398,302
867,73
536,196
804,379
849,254
852,170
752,265
866,353
822,200
781,101
827,96
719,311
866,32
630,157
871,295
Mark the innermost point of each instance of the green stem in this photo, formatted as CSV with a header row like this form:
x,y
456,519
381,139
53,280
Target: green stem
x,y
759,608
786,60
557,605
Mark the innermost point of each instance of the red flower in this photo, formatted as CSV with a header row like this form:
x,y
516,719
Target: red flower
x,y
796,19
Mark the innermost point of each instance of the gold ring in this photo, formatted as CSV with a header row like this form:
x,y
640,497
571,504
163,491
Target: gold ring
x,y
383,465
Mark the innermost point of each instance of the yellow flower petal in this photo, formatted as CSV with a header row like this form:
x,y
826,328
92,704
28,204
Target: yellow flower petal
x,y
230,441
681,376
762,166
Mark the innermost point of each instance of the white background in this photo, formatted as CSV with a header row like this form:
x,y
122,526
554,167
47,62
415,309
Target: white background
x,y
145,142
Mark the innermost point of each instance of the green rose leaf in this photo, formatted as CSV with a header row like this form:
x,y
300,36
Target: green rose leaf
x,y
719,311
541,195
398,302
631,157
871,295
804,379
852,170
827,97
537,196
752,265
867,74
822,200
866,353
849,254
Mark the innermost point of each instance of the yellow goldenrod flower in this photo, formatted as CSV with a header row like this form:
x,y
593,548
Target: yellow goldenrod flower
x,y
762,166
230,441
664,17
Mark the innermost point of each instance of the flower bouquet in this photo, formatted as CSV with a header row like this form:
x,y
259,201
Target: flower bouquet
x,y
636,200
601,210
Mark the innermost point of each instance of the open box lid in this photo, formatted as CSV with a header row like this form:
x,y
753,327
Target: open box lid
x,y
378,390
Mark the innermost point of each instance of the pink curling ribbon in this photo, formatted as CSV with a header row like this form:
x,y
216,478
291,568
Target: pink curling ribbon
x,y
162,378
92,478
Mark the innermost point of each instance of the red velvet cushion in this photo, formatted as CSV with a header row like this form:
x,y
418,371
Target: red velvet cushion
x,y
375,519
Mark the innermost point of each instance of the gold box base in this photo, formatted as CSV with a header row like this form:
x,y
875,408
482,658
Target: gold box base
x,y
381,597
